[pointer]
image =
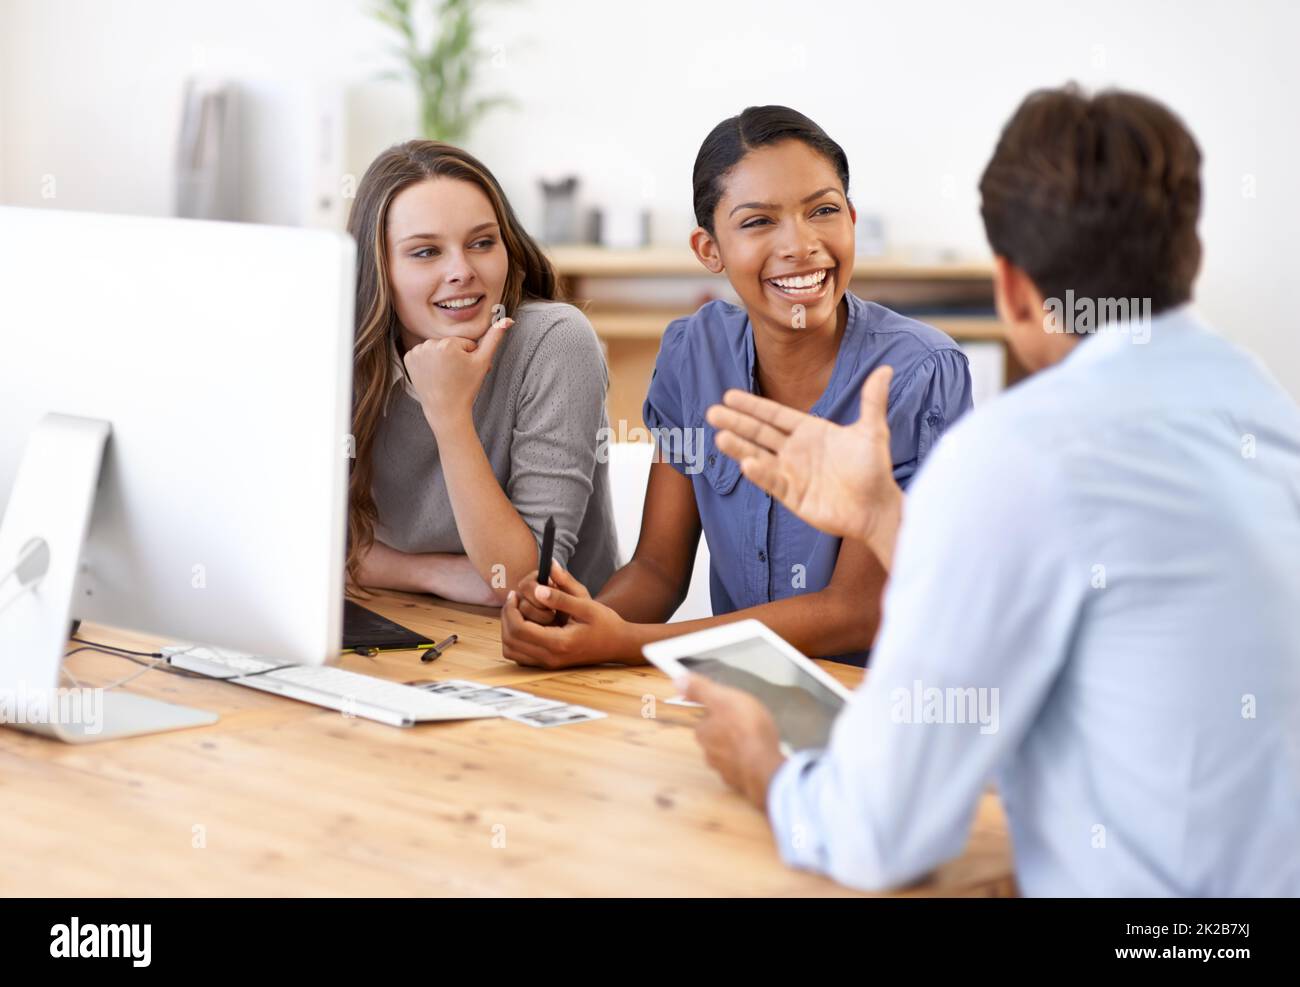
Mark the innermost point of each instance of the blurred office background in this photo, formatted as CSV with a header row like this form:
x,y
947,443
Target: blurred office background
x,y
93,97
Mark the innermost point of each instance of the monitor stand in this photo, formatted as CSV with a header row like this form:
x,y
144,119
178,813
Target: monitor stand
x,y
41,538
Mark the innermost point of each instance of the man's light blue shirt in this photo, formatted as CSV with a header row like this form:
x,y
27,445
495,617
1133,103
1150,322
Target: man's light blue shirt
x,y
1099,572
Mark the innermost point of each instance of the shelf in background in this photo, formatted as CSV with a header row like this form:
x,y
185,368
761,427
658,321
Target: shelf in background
x,y
632,295
583,261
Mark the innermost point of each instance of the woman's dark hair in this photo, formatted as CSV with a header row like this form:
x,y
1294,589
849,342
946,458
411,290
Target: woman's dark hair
x,y
757,126
1096,195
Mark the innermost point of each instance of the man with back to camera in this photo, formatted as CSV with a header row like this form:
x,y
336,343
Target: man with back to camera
x,y
1113,546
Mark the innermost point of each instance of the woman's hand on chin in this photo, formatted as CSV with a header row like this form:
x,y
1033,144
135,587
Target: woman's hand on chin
x,y
447,373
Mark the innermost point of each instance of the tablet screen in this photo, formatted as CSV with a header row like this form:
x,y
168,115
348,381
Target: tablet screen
x,y
802,707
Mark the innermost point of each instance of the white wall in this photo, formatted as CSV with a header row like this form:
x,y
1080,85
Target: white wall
x,y
90,94
916,92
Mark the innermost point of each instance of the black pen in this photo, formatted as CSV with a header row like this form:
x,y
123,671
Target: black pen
x,y
366,651
544,559
436,651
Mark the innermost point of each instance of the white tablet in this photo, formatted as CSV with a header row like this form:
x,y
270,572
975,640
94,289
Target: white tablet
x,y
747,655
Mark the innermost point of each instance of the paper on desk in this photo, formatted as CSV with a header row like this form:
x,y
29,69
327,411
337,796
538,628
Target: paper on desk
x,y
502,699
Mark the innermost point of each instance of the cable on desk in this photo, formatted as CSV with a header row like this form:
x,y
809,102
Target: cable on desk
x,y
116,652
161,663
114,647
241,675
148,667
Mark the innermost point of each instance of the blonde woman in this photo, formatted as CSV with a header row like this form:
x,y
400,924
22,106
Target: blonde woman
x,y
479,400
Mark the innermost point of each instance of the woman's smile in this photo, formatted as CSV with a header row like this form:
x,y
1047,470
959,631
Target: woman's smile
x,y
802,287
460,308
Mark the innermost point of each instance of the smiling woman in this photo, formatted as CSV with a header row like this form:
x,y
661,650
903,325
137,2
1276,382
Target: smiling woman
x,y
478,399
771,200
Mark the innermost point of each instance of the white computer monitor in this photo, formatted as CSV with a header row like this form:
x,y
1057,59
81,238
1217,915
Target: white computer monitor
x,y
210,364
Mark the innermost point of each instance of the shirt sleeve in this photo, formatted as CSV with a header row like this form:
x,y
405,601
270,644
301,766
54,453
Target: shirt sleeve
x,y
979,612
664,411
924,406
560,425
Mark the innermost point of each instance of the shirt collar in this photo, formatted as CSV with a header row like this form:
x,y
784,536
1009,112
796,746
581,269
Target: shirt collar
x,y
841,367
398,377
1130,332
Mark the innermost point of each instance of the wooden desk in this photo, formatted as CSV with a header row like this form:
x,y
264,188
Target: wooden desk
x,y
285,798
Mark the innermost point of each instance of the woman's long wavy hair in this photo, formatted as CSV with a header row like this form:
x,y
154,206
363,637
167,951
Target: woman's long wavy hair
x,y
530,276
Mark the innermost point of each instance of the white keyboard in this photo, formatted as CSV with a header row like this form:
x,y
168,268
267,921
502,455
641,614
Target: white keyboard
x,y
334,688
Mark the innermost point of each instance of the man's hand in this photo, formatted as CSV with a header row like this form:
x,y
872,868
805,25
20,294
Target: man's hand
x,y
839,479
738,735
447,373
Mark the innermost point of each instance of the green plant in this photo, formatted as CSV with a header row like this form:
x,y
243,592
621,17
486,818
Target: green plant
x,y
442,68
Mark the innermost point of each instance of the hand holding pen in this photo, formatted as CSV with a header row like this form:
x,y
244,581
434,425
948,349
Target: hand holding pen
x,y
529,607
